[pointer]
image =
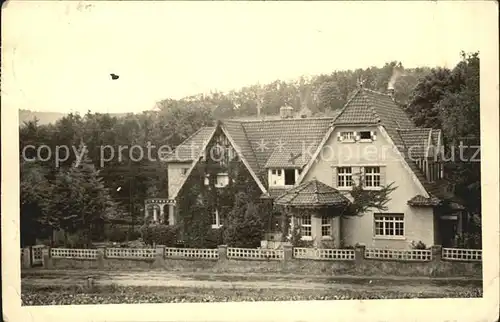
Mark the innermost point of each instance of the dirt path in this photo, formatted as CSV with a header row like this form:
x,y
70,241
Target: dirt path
x,y
244,281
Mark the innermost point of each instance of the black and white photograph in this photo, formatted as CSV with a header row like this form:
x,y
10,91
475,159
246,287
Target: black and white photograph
x,y
250,153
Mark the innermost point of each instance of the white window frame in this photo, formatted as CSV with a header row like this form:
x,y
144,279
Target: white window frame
x,y
389,222
217,220
347,136
372,137
373,176
345,176
302,225
222,175
328,225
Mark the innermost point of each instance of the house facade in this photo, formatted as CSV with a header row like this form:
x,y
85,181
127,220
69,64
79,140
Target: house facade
x,y
369,141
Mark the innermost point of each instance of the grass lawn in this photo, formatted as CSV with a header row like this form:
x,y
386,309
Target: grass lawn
x,y
69,287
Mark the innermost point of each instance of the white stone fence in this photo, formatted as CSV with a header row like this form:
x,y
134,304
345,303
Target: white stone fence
x,y
43,256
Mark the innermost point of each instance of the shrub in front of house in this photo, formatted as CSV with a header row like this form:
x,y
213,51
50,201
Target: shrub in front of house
x,y
245,227
158,234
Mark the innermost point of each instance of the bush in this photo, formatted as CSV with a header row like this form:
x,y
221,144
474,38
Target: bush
x,y
214,238
159,234
418,245
244,226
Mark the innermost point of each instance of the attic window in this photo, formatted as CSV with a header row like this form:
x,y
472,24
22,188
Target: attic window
x,y
365,135
289,177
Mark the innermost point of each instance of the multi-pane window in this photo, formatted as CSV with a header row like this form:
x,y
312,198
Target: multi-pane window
x,y
347,136
344,177
389,225
326,226
305,226
372,177
216,219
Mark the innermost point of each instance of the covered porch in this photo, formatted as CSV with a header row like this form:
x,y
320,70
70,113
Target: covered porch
x,y
313,210
159,211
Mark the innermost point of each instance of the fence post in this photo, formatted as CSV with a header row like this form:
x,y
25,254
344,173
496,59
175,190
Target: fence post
x,y
101,255
26,257
222,253
46,259
287,252
437,253
159,257
359,254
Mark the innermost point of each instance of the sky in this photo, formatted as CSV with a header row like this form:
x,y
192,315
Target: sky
x,y
58,55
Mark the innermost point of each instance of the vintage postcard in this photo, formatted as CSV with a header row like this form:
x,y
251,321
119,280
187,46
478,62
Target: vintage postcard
x,y
254,161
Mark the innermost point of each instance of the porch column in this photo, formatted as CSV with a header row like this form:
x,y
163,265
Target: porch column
x,y
171,214
155,214
162,213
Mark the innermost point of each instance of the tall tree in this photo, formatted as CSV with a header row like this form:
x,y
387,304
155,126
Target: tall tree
x,y
80,201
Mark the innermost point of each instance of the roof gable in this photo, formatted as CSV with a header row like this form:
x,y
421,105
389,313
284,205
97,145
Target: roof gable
x,y
371,107
190,149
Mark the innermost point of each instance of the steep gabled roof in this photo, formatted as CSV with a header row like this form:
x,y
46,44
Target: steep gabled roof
x,y
191,147
236,131
371,107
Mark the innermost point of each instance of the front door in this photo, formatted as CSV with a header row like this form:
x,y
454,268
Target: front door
x,y
448,232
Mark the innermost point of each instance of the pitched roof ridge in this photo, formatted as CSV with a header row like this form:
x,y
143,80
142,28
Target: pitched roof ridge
x,y
372,106
376,92
281,120
358,90
417,128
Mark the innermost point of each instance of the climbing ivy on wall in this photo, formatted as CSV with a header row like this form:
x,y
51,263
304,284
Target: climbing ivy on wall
x,y
198,201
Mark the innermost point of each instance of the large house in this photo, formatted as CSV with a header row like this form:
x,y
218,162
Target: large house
x,y
371,137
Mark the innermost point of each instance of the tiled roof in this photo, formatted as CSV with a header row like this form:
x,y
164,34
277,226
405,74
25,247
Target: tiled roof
x,y
312,194
287,135
370,107
191,147
421,201
416,141
268,143
237,133
288,157
274,192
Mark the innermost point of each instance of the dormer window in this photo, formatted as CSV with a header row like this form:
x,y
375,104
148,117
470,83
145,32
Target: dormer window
x,y
347,136
289,177
354,136
283,177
